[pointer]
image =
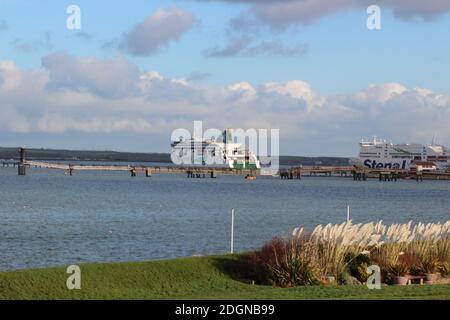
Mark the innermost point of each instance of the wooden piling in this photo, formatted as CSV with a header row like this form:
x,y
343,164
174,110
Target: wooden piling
x,y
22,171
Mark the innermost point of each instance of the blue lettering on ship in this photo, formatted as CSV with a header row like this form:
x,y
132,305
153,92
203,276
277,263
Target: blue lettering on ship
x,y
373,164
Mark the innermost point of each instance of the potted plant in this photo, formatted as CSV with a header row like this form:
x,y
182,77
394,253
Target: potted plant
x,y
429,268
399,273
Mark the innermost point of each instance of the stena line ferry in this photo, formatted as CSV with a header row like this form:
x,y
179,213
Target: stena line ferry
x,y
381,154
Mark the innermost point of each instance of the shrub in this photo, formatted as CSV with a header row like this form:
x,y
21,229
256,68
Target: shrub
x,y
399,269
285,263
358,264
426,254
348,249
257,263
412,262
428,264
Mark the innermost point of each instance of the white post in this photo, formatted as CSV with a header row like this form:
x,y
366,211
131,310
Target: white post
x,y
348,213
232,231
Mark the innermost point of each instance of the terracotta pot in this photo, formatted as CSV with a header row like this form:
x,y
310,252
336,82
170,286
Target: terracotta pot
x,y
400,280
430,278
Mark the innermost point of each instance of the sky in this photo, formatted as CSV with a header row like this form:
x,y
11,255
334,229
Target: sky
x,y
136,71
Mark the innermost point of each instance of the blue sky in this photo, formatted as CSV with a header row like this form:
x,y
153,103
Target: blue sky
x,y
340,59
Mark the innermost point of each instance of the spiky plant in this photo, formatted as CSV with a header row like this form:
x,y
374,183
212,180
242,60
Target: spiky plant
x,y
428,243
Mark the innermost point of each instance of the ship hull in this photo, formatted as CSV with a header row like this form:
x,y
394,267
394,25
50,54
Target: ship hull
x,y
380,154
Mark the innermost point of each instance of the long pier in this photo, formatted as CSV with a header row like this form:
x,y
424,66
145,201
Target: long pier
x,y
362,174
148,170
358,174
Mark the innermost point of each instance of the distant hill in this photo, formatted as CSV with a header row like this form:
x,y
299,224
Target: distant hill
x,y
113,156
313,161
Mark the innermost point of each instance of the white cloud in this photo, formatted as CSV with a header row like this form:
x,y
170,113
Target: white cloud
x,y
151,75
13,121
108,78
381,93
296,89
157,31
10,77
90,95
242,92
56,123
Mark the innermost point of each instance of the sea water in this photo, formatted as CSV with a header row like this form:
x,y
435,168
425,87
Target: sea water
x,y
49,219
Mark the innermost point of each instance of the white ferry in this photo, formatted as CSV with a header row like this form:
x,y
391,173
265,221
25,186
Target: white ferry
x,y
381,154
219,152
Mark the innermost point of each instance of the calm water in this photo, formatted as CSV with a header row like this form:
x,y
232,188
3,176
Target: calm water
x,y
49,219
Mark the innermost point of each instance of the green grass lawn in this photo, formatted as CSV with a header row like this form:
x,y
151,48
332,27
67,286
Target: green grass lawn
x,y
188,278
